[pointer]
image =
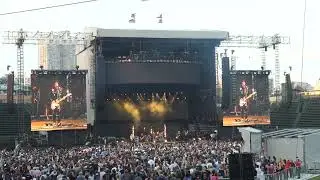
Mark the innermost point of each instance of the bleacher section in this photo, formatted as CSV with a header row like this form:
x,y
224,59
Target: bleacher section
x,y
9,119
286,115
302,113
310,115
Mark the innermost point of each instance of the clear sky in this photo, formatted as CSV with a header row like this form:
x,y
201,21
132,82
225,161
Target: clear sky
x,y
256,17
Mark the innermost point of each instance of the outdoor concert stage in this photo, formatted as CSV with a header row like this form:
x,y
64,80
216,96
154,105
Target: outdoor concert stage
x,y
149,75
66,124
252,120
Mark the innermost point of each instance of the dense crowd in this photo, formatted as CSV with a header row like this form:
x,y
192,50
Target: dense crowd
x,y
125,160
130,160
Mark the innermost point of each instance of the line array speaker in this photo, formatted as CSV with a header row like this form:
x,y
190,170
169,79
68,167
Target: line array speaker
x,y
226,83
241,166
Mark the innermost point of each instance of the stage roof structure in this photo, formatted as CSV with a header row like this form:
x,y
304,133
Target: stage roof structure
x,y
291,133
161,34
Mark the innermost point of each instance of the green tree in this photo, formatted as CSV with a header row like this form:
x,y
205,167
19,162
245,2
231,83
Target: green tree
x,y
3,80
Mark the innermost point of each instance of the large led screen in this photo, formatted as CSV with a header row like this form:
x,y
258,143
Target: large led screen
x,y
249,99
59,100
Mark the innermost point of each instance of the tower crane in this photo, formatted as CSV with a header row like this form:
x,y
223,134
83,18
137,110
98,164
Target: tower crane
x,y
259,42
21,37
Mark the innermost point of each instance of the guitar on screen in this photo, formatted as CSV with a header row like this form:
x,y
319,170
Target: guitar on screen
x,y
55,104
244,100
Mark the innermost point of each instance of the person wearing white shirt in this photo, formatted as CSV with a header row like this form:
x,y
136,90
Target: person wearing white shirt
x,y
260,174
151,163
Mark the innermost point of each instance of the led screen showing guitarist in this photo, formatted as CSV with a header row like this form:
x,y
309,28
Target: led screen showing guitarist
x,y
244,99
59,100
249,98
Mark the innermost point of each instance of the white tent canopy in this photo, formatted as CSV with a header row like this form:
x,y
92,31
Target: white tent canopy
x,y
292,143
252,139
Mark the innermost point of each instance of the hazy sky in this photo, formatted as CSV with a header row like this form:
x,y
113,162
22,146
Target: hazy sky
x,y
245,17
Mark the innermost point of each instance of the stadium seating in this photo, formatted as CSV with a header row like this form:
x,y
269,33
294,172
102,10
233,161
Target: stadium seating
x,y
286,115
310,116
9,119
303,113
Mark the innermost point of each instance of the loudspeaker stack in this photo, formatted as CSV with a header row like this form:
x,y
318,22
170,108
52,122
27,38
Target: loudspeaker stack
x,y
241,166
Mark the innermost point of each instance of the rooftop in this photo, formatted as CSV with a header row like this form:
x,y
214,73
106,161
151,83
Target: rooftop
x,y
165,34
249,129
290,133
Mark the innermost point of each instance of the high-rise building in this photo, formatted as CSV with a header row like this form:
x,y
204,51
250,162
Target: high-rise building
x,y
57,56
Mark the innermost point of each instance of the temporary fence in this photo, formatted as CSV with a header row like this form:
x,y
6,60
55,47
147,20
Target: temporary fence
x,y
286,174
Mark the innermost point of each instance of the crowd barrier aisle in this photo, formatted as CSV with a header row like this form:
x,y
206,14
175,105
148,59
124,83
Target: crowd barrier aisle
x,y
289,174
284,174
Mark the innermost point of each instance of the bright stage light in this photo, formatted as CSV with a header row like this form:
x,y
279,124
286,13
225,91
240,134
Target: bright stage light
x,y
132,110
157,108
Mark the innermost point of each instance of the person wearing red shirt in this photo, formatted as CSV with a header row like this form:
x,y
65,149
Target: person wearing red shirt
x,y
287,166
298,164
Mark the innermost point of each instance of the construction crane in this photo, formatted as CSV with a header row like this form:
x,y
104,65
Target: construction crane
x,y
21,37
259,42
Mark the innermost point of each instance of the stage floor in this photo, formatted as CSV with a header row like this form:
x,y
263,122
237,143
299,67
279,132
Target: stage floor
x,y
66,124
252,120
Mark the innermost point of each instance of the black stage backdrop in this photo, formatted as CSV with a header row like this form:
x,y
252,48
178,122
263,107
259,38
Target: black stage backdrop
x,y
153,73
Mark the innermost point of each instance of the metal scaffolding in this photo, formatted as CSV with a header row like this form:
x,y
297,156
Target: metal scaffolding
x,y
277,68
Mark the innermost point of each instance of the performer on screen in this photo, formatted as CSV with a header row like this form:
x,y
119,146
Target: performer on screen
x,y
56,97
244,90
244,99
55,108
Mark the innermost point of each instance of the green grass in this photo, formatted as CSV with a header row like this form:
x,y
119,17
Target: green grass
x,y
315,178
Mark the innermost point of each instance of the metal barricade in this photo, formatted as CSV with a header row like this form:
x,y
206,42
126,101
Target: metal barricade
x,y
283,175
